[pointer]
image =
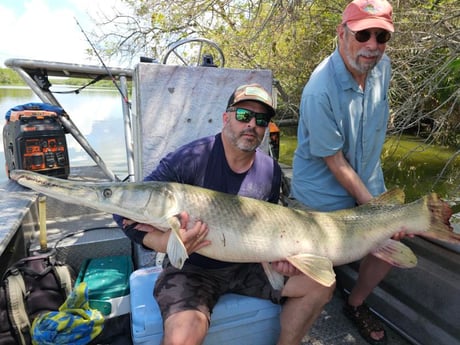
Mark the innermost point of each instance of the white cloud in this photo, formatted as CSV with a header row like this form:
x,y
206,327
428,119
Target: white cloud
x,y
47,29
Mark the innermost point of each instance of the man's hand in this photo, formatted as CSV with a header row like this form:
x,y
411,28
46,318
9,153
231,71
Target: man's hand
x,y
193,238
401,234
285,268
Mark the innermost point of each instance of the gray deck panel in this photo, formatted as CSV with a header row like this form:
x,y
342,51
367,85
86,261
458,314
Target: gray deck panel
x,y
15,203
334,328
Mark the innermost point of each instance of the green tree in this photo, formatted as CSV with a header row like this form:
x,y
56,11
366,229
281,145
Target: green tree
x,y
290,37
426,62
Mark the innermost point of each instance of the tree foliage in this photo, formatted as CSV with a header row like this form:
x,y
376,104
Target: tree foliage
x,y
290,37
426,69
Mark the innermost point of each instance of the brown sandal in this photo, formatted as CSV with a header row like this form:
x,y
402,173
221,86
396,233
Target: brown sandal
x,y
366,322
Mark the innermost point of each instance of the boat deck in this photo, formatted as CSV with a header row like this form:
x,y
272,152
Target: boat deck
x,y
333,328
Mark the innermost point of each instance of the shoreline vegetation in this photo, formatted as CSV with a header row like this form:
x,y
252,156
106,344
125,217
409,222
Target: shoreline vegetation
x,y
8,77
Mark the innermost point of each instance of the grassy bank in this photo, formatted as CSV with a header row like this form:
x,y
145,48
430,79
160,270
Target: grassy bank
x,y
408,163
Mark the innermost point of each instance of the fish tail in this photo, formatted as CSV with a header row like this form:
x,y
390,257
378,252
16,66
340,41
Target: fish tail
x,y
440,227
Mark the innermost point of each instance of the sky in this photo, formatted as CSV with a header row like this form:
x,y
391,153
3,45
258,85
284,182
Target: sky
x,y
47,29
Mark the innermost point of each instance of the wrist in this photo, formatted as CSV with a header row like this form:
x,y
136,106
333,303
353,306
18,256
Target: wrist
x,y
156,240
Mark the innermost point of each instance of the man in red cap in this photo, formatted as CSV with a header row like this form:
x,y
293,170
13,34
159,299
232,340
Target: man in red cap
x,y
344,112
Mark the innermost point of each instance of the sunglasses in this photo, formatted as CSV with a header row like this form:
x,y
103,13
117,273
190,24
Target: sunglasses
x,y
365,35
245,115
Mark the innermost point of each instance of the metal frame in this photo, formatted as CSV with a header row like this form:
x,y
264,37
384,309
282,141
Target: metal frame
x,y
26,68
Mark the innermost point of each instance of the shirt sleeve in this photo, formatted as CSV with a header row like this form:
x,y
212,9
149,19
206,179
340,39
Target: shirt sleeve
x,y
133,234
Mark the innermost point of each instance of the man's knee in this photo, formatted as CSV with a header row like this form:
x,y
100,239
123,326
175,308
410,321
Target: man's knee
x,y
304,286
187,327
322,294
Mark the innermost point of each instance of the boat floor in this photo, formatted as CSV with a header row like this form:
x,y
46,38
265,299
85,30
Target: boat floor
x,y
333,328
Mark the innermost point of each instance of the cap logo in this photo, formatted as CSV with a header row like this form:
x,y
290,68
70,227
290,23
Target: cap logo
x,y
371,9
252,92
257,92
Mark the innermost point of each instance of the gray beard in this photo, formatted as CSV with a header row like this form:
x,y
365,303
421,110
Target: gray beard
x,y
353,62
240,143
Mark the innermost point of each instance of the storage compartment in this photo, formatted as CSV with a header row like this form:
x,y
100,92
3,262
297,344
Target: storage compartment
x,y
108,284
236,319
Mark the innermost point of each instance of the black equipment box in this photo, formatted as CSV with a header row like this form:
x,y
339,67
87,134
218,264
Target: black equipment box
x,y
35,140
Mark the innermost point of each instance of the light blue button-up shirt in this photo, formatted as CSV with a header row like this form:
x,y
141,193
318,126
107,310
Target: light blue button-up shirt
x,y
336,114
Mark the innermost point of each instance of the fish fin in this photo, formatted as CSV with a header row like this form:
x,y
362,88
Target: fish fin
x,y
318,268
276,279
177,253
393,196
440,227
396,254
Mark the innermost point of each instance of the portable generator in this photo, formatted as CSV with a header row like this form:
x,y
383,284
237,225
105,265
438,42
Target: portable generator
x,y
35,140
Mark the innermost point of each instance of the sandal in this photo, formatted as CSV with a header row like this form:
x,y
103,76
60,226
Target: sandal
x,y
366,322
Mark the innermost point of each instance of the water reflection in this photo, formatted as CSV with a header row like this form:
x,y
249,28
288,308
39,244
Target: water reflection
x,y
96,112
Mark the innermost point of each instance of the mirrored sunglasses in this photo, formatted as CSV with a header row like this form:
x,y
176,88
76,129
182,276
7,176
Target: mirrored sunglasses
x,y
245,115
365,35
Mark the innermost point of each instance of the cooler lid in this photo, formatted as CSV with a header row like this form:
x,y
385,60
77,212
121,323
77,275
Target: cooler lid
x,y
106,277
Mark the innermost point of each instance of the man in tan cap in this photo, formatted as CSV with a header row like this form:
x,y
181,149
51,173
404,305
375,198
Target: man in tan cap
x,y
344,112
228,162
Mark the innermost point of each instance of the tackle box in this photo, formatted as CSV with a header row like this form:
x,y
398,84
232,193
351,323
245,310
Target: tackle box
x,y
236,319
107,279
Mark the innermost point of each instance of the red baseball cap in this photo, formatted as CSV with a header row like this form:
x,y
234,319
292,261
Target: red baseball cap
x,y
366,14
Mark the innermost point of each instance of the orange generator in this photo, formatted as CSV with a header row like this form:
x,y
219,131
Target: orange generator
x,y
35,140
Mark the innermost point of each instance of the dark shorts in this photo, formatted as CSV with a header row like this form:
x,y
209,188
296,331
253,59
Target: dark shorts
x,y
196,288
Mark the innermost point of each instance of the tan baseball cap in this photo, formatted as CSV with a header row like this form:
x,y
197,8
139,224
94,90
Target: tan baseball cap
x,y
252,92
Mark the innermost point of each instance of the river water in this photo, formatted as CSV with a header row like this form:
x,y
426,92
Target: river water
x,y
96,112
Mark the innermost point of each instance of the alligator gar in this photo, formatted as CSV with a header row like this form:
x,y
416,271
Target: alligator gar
x,y
243,229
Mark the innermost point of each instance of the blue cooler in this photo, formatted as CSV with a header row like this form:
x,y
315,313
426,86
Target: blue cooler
x,y
236,319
